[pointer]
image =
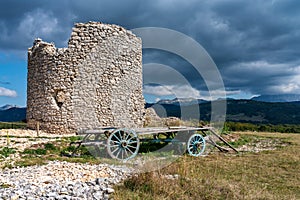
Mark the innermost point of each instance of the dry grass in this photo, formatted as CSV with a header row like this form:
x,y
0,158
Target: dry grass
x,y
263,175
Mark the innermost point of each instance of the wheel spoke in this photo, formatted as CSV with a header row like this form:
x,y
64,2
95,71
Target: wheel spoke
x,y
133,147
115,136
123,135
114,150
115,142
117,156
126,152
192,140
132,142
122,153
127,136
120,136
130,150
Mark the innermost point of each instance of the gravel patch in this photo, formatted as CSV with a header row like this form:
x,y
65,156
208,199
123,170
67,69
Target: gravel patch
x,y
62,180
30,133
262,145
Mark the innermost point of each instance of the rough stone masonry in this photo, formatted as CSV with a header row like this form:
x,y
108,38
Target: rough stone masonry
x,y
95,82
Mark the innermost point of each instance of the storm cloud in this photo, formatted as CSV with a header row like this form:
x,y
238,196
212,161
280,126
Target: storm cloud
x,y
255,44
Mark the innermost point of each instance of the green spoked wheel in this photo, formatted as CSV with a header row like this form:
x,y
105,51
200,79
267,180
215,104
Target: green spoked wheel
x,y
123,144
196,145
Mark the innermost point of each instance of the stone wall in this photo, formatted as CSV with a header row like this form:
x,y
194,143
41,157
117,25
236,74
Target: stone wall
x,y
95,82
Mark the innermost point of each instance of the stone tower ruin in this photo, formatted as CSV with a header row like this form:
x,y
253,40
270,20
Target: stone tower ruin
x,y
95,82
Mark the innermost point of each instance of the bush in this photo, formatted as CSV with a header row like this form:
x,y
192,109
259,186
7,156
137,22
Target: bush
x,y
282,128
38,151
12,125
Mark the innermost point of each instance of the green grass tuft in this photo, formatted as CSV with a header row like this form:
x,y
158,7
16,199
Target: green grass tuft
x,y
6,151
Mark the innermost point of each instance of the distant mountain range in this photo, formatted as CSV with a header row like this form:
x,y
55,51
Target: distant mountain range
x,y
262,98
265,109
182,101
10,113
7,106
278,98
252,111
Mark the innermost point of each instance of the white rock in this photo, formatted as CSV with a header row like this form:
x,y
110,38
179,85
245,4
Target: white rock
x,y
110,190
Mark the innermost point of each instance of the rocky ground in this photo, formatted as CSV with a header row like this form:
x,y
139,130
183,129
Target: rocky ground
x,y
22,139
255,144
30,133
61,180
57,179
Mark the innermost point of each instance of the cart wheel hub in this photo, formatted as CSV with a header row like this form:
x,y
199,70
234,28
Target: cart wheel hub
x,y
196,144
124,144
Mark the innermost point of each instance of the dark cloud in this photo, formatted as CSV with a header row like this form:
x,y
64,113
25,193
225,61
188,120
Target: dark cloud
x,y
255,44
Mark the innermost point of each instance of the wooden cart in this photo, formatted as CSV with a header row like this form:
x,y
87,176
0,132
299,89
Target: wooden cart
x,y
123,144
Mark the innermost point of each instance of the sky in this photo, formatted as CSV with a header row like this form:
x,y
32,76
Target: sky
x,y
254,44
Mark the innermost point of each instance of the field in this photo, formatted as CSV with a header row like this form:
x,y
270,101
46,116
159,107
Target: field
x,y
270,174
267,168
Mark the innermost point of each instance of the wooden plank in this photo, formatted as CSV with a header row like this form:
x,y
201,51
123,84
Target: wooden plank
x,y
95,131
149,131
92,143
145,131
223,140
211,141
